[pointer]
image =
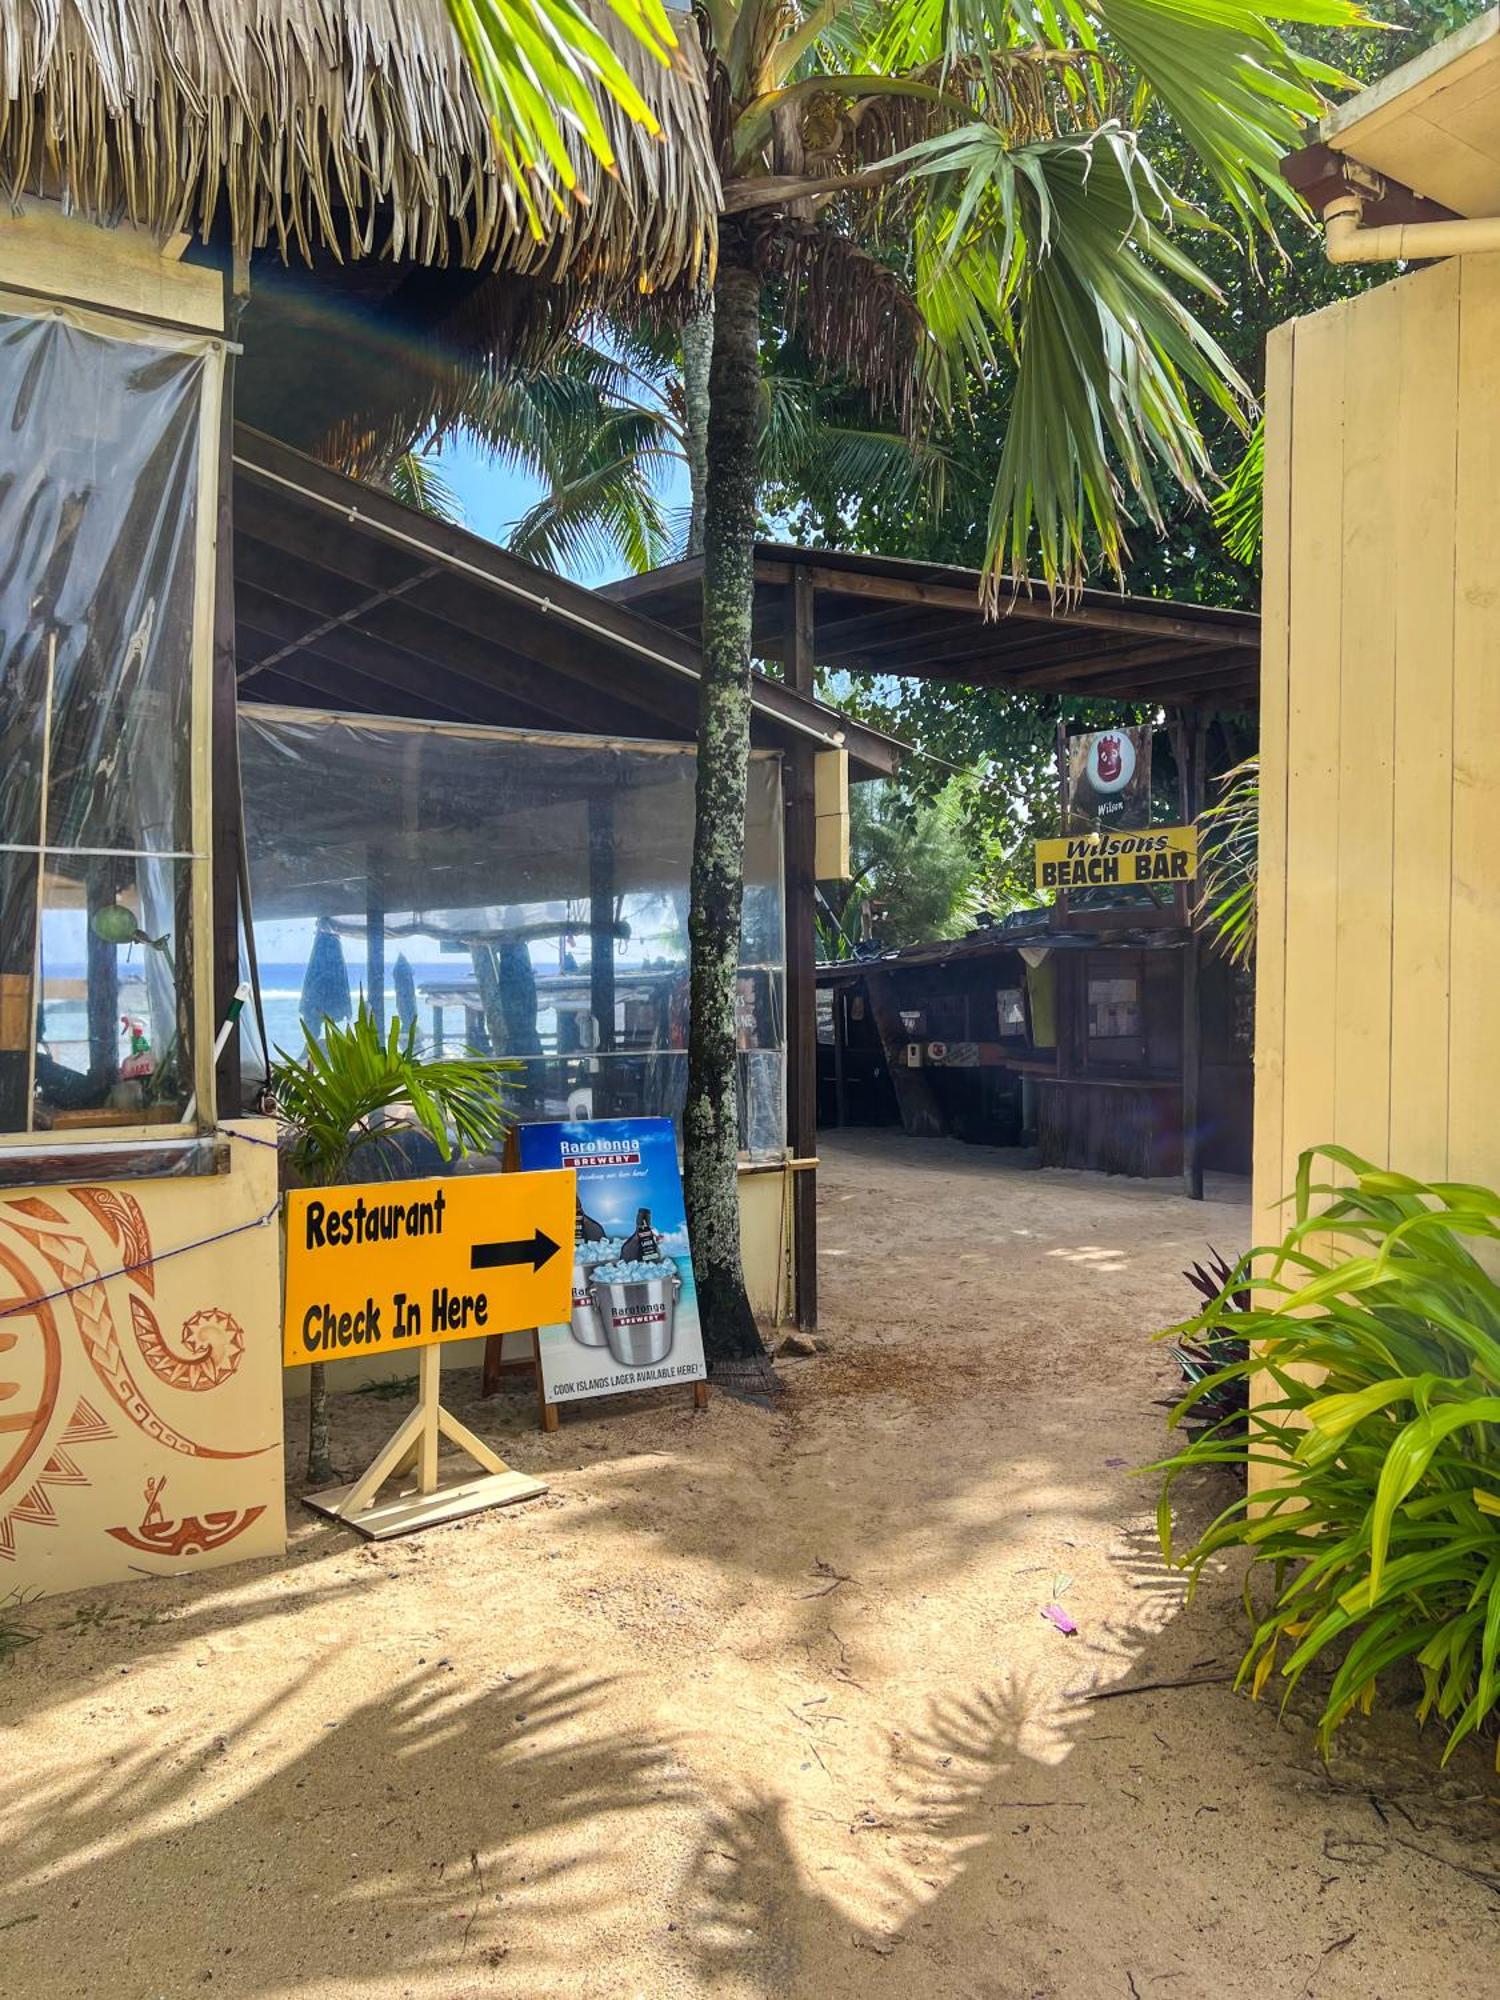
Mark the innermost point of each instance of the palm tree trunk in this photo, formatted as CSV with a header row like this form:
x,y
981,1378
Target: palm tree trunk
x,y
697,357
319,1464
711,1117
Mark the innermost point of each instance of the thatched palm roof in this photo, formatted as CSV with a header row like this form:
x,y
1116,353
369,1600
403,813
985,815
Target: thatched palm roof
x,y
349,127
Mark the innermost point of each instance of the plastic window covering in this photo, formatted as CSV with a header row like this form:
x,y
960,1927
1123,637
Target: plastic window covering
x,y
511,892
100,441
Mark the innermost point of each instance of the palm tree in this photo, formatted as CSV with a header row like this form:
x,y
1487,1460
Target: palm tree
x,y
929,186
600,425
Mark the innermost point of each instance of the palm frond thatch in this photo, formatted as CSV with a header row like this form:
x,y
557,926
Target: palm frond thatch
x,y
350,127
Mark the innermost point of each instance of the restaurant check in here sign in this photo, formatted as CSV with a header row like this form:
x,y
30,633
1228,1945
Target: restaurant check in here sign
x,y
392,1265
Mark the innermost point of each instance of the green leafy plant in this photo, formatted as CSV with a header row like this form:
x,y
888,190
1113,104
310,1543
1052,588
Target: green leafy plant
x,y
1230,830
331,1097
15,1633
1226,1401
1375,1338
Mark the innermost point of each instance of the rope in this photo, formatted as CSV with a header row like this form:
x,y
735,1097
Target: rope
x,y
145,1263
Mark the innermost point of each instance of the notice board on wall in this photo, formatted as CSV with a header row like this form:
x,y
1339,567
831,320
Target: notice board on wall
x,y
634,1320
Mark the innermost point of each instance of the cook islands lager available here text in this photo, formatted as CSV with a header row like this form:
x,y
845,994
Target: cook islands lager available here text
x,y
634,1322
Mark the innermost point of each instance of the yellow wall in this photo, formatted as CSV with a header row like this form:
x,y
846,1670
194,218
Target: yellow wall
x,y
1378,981
140,1416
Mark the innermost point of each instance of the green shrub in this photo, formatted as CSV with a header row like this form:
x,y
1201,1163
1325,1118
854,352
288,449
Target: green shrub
x,y
1378,1333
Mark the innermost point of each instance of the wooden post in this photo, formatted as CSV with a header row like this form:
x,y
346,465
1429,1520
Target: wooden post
x,y
602,942
1187,737
375,934
226,814
801,956
546,1412
840,1079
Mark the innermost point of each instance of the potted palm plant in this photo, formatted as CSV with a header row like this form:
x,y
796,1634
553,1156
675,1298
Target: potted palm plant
x,y
336,1100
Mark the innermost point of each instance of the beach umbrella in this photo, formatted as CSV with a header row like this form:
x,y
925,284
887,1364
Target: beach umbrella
x,y
325,984
404,982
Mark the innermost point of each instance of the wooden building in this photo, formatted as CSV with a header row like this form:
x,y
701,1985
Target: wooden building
x,y
1183,1068
165,272
1046,1035
1378,996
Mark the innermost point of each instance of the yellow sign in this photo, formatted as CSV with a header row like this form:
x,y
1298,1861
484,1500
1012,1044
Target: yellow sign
x,y
401,1264
1104,860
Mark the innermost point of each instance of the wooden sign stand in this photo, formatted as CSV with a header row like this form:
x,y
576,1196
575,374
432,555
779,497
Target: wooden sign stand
x,y
431,1499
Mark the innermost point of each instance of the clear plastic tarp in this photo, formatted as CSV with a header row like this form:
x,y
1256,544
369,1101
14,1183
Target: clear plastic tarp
x,y
514,893
99,480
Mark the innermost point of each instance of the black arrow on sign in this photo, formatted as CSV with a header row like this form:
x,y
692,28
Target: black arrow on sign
x,y
533,1250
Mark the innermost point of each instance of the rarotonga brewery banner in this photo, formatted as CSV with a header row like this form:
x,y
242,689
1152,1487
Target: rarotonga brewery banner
x,y
634,1323
1109,780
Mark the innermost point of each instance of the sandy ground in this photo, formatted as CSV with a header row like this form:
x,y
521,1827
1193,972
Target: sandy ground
x,y
752,1704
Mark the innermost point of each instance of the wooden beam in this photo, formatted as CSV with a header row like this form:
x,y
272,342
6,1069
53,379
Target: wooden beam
x,y
122,1160
226,816
414,653
1164,679
909,590
801,960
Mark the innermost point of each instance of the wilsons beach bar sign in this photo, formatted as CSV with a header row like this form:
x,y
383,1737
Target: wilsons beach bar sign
x,y
1103,860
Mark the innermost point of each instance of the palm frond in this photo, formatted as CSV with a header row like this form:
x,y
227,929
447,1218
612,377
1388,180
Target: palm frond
x,y
1060,252
1239,508
600,513
1231,848
416,481
1217,69
331,1094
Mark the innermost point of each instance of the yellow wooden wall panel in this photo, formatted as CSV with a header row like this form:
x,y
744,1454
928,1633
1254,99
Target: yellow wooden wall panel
x,y
1426,429
1270,962
1315,610
1474,1003
1356,895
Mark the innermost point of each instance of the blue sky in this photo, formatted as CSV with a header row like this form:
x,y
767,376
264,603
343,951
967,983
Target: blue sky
x,y
495,496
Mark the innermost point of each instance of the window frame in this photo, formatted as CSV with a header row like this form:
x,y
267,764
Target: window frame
x,y
147,331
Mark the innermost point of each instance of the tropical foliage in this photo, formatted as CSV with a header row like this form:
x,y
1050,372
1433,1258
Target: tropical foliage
x,y
1230,829
546,72
1375,1326
331,1099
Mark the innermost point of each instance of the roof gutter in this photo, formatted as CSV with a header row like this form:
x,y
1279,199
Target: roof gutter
x,y
1347,241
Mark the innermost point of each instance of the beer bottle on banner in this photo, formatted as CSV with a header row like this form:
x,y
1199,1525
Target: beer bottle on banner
x,y
585,1229
642,1247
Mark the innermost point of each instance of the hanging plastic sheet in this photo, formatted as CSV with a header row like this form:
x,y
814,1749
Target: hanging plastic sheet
x,y
100,441
536,887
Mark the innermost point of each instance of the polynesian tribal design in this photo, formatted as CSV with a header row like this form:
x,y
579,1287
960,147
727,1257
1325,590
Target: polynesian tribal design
x,y
119,1214
214,1343
75,1269
35,1508
193,1535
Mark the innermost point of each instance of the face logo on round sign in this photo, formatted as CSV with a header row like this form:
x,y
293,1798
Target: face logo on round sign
x,y
1111,763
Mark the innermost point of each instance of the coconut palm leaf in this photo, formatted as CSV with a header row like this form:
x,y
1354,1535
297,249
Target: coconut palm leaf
x,y
1230,828
416,481
1056,253
545,71
1238,509
603,509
